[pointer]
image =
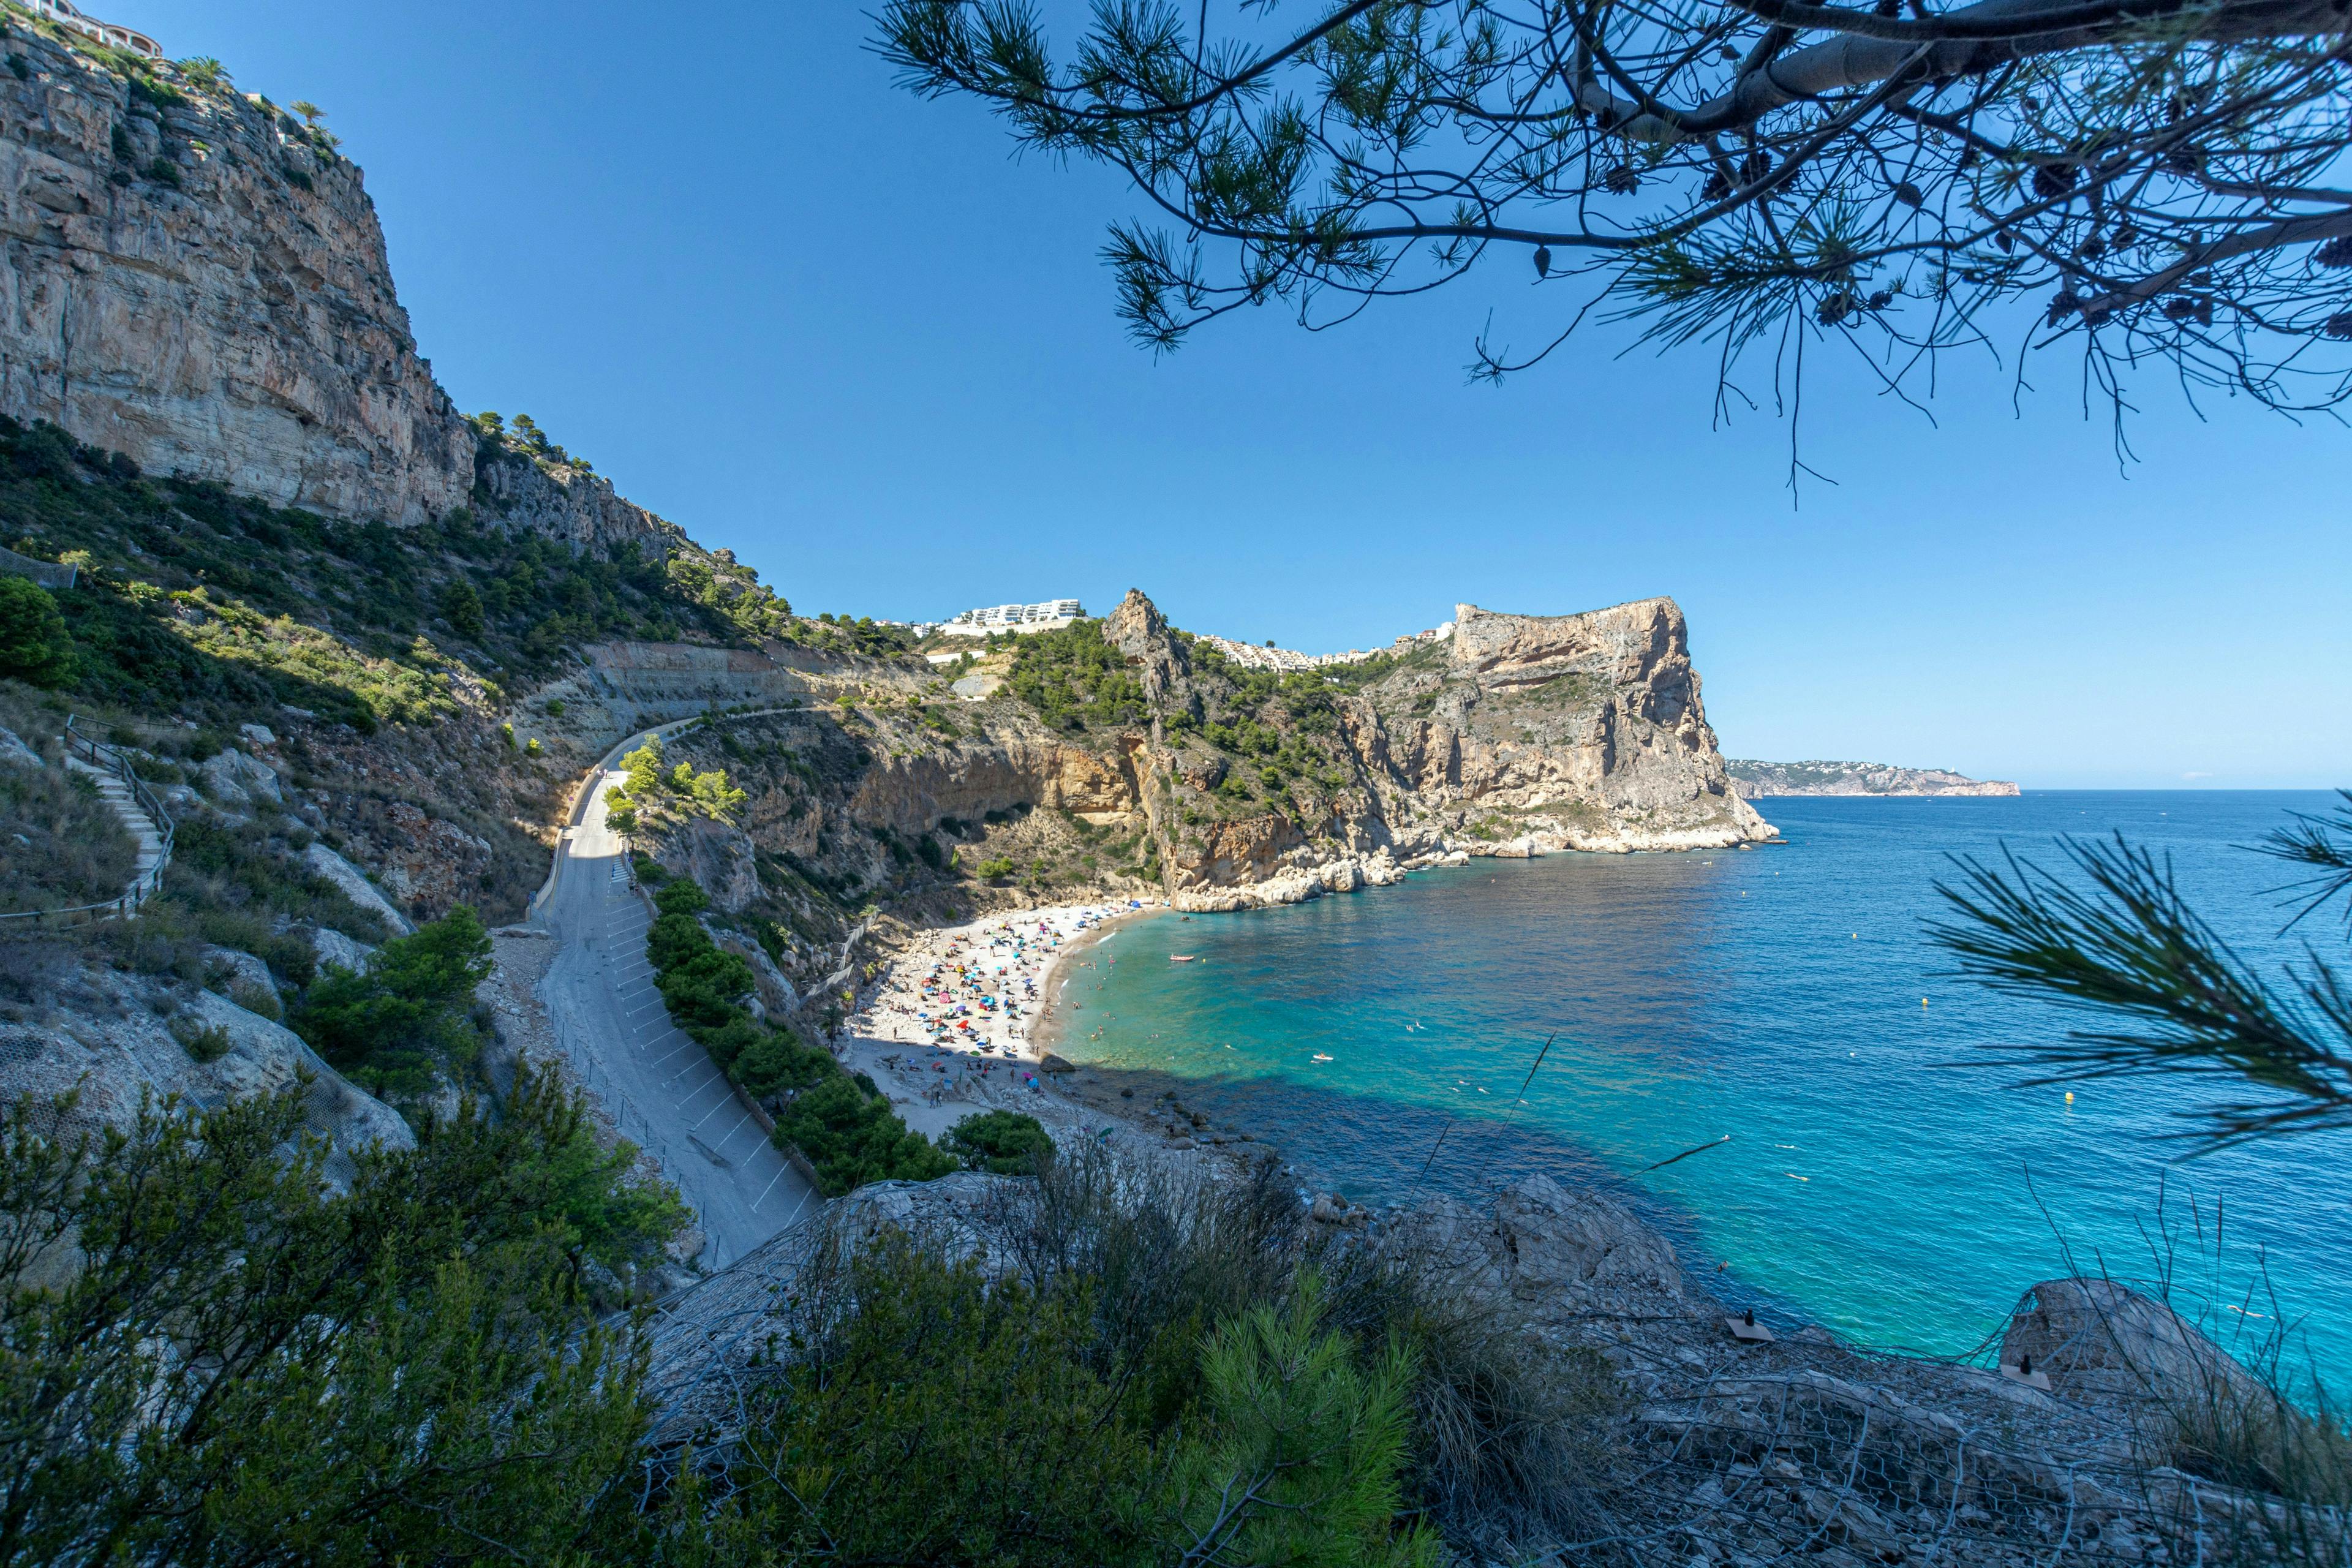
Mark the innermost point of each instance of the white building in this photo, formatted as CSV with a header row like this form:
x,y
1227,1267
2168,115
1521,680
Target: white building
x,y
1023,619
66,15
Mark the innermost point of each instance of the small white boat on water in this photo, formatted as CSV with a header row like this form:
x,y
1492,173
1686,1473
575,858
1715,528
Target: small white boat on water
x,y
1321,1057
1180,957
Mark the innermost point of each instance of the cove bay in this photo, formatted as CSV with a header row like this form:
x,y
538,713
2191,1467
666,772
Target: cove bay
x,y
1787,997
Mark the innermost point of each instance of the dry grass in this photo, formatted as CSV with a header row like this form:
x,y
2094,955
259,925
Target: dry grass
x,y
60,844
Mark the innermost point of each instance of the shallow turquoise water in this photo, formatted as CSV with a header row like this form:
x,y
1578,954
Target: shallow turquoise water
x,y
1773,995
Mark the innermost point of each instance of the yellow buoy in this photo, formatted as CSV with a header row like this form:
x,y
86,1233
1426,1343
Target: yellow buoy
x,y
2070,1097
1923,1001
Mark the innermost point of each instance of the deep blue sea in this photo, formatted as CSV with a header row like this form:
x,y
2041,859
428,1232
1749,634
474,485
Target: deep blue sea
x,y
1786,997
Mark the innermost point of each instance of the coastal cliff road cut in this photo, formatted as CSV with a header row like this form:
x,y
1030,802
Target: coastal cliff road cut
x,y
661,1089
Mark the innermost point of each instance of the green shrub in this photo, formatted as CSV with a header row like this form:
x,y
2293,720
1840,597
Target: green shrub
x,y
1311,1443
391,1027
259,1367
989,870
951,1419
206,1043
849,1133
461,607
1073,678
1004,1141
34,645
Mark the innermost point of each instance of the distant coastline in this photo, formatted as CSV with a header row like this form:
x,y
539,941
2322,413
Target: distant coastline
x,y
1758,780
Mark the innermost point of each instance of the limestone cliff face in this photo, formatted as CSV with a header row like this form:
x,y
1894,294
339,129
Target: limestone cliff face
x,y
193,279
202,286
1588,727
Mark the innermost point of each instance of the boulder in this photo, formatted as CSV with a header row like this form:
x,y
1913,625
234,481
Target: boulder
x,y
331,946
1340,876
353,884
2099,1340
237,781
15,752
244,974
1539,1241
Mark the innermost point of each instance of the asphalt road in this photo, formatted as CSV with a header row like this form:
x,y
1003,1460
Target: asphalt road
x,y
663,1090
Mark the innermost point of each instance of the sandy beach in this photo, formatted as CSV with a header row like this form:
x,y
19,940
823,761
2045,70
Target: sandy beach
x,y
959,1022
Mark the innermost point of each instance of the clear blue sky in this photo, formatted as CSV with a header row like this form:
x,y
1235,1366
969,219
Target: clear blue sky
x,y
847,333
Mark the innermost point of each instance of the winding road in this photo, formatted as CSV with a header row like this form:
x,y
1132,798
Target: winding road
x,y
661,1089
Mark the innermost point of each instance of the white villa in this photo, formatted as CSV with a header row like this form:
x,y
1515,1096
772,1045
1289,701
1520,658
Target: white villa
x,y
65,16
1024,620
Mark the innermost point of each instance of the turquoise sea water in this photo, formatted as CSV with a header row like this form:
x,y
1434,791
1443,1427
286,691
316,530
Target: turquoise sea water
x,y
1774,994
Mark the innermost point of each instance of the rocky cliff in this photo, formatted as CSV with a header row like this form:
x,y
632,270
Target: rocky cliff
x,y
197,280
1756,780
1124,756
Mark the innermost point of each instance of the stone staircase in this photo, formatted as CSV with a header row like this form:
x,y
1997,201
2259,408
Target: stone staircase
x,y
154,853
142,814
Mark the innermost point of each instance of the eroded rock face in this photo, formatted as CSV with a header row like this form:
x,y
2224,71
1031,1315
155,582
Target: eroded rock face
x,y
354,884
235,321
570,504
1590,726
720,858
202,287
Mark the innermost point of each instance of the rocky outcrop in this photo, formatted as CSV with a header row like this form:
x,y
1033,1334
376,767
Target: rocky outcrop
x,y
2097,1340
200,284
352,883
131,1040
1517,736
562,500
721,859
1756,780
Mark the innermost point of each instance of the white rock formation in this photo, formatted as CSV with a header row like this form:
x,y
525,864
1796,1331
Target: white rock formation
x,y
354,884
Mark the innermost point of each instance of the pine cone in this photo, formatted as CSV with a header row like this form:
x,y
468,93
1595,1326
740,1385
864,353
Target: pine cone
x,y
1543,260
1621,180
2338,325
1908,195
2062,304
2051,180
2335,253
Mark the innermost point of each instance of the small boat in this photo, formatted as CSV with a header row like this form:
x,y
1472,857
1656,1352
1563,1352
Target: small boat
x,y
1321,1057
1180,958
